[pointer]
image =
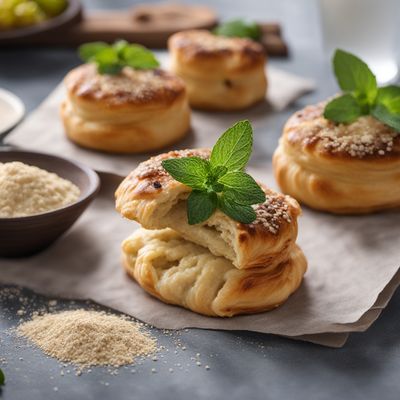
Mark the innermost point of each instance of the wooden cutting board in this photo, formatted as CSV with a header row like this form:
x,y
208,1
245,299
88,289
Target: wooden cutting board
x,y
147,24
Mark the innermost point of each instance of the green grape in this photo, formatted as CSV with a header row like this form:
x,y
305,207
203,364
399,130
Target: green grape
x,y
52,7
11,4
28,13
7,19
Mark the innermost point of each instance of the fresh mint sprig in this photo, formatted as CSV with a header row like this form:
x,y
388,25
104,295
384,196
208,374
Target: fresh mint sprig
x,y
110,59
362,96
2,378
239,28
220,182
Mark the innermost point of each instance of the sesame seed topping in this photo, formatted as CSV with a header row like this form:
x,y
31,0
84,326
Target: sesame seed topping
x,y
272,213
153,167
364,137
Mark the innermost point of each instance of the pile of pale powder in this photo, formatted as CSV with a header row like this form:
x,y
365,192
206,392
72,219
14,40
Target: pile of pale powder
x,y
28,190
87,338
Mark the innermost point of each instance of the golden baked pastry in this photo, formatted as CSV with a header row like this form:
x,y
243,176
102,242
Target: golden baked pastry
x,y
150,196
183,273
220,73
344,169
134,111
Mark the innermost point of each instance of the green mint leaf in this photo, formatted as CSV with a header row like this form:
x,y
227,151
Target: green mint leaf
x,y
88,51
200,206
2,378
119,46
384,115
106,56
217,172
239,28
191,171
242,188
107,61
233,148
109,69
343,109
389,96
112,59
239,212
136,56
354,75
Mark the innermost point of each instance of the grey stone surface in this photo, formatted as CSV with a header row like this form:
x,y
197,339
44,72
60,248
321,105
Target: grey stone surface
x,y
242,365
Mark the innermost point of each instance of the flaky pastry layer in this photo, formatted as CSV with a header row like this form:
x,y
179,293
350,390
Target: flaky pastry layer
x,y
180,272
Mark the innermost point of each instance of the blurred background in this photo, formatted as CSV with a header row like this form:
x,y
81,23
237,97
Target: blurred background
x,y
310,29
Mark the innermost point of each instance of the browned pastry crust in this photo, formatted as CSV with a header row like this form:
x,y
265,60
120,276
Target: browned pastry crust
x,y
150,196
134,111
345,169
180,272
220,73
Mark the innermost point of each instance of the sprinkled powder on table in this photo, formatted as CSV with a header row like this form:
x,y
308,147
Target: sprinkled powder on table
x,y
87,338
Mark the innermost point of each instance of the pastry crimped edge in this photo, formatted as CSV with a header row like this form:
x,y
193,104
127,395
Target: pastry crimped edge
x,y
150,196
224,293
133,112
220,73
337,175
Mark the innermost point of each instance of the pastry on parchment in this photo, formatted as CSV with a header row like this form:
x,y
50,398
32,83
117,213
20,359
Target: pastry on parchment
x,y
220,73
137,110
340,168
180,272
218,267
150,196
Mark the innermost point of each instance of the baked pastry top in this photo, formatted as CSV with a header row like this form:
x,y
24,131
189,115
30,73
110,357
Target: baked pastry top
x,y
366,138
220,73
341,168
133,111
183,273
150,196
233,54
132,87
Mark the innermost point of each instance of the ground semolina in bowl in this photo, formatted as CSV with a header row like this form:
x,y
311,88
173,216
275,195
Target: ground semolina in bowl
x,y
44,195
28,190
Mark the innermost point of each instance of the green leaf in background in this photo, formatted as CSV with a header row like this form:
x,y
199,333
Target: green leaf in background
x,y
109,69
354,75
111,59
191,171
362,95
384,115
119,46
233,148
239,28
200,206
139,57
243,188
239,212
343,109
2,378
389,96
88,51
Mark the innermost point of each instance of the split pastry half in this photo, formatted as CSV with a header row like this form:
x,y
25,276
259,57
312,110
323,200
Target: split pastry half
x,y
150,196
343,169
183,273
134,111
220,73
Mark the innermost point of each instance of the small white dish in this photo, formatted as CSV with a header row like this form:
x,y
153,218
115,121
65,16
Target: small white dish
x,y
12,110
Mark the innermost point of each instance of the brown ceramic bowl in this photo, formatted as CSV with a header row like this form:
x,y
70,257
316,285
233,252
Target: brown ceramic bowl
x,y
22,236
